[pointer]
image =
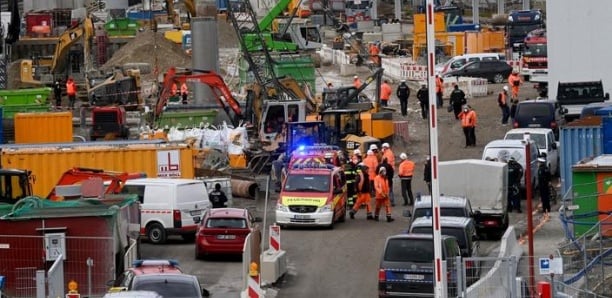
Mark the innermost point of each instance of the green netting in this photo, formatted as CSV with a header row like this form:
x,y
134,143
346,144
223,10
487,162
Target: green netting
x,y
32,204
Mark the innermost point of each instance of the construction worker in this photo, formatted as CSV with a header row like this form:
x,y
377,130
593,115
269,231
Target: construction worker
x,y
71,90
371,162
502,102
515,81
357,82
57,92
439,88
217,197
349,174
357,156
388,153
184,92
362,183
544,179
423,97
402,93
427,173
406,171
381,188
468,123
390,173
374,53
385,93
377,153
457,100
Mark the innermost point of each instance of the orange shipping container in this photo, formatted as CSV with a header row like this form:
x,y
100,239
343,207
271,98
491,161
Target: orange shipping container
x,y
485,42
420,26
51,127
49,163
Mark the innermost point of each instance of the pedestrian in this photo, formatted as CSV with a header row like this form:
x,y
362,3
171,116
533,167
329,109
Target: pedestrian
x,y
57,92
468,123
371,162
388,153
357,82
513,108
515,174
544,180
406,171
349,174
277,170
71,90
502,102
377,153
385,93
184,92
423,97
357,156
515,81
217,197
362,183
439,88
374,52
402,93
381,188
427,173
389,173
457,100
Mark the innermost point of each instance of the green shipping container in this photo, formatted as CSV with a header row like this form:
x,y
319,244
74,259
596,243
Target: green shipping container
x,y
299,67
24,96
8,112
187,119
592,193
121,27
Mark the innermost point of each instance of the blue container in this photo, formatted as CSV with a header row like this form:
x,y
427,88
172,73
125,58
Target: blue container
x,y
606,111
607,135
577,142
139,15
222,5
463,27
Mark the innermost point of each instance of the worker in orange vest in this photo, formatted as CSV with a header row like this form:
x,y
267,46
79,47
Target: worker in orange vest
x,y
357,82
406,171
388,153
372,163
71,90
468,123
381,187
439,88
385,93
362,180
502,101
184,92
515,81
374,53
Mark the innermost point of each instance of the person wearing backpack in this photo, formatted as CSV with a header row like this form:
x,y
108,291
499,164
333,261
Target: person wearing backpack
x,y
423,97
362,183
502,102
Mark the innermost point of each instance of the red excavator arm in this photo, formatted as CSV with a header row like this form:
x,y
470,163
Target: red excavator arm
x,y
78,175
208,77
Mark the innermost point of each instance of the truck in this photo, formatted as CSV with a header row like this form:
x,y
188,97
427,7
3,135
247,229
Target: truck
x,y
573,96
519,24
486,187
535,55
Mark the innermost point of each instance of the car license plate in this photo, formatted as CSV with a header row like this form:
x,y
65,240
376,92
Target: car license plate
x,y
414,276
226,237
301,216
196,219
535,125
195,212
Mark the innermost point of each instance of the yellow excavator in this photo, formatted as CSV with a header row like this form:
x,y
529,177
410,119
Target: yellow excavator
x,y
174,18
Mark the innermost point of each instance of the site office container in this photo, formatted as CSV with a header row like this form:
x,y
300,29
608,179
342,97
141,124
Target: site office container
x,y
51,127
49,162
84,230
420,26
35,19
579,139
485,42
592,189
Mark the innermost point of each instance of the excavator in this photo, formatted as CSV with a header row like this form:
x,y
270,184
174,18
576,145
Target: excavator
x,y
173,17
16,184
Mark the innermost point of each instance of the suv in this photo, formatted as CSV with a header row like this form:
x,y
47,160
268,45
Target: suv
x,y
494,71
449,206
462,228
538,113
170,285
545,139
143,267
407,265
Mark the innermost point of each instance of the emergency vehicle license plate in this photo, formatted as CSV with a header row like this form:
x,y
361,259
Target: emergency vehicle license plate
x,y
414,276
195,212
301,216
226,237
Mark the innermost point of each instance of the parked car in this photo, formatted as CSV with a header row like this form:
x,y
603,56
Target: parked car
x,y
538,113
462,228
143,267
494,71
133,294
458,61
407,265
545,139
449,206
224,230
170,285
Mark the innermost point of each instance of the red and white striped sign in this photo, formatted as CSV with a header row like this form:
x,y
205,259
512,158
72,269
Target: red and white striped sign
x,y
254,290
275,237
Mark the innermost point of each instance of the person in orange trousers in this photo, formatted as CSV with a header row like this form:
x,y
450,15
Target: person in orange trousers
x,y
514,80
382,195
371,163
363,192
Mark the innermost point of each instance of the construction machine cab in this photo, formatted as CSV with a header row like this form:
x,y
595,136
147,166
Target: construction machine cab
x,y
15,184
305,134
276,115
347,97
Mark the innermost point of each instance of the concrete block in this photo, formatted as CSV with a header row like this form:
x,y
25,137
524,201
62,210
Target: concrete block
x,y
391,28
372,37
348,70
365,25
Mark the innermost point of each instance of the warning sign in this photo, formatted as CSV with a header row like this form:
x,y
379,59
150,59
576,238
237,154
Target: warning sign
x,y
169,164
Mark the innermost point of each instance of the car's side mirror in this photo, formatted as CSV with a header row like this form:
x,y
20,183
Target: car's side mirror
x,y
205,293
607,96
554,145
110,283
257,219
407,213
475,238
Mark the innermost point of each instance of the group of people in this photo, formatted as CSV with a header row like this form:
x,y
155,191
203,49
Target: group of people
x,y
515,81
71,91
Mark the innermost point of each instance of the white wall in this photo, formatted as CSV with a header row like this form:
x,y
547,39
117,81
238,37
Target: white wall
x,y
579,44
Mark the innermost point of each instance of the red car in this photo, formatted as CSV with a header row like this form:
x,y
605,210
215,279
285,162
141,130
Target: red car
x,y
143,267
223,231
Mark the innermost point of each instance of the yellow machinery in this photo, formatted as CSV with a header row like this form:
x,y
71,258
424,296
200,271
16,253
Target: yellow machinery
x,y
174,18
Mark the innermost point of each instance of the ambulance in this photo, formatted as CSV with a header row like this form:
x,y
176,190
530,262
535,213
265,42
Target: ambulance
x,y
312,194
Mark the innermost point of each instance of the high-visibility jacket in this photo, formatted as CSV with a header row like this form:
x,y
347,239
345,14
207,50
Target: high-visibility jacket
x,y
381,186
174,89
514,80
184,89
468,119
385,91
374,50
390,157
371,162
406,168
357,83
71,88
439,84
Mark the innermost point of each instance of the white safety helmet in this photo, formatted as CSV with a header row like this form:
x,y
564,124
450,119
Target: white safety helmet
x,y
506,88
403,156
385,145
382,170
370,152
355,77
357,152
373,147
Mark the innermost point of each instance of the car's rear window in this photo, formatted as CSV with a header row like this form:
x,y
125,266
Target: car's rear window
x,y
444,211
540,139
409,250
226,223
535,110
457,232
169,287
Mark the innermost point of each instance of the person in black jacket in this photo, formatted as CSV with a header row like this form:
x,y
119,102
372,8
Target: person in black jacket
x,y
515,173
427,173
457,100
544,179
423,97
403,92
217,197
57,92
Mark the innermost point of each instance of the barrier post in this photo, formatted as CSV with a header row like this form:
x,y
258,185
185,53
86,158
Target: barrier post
x,y
275,238
254,290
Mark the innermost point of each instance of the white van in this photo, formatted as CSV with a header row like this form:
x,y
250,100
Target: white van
x,y
458,61
169,206
502,150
